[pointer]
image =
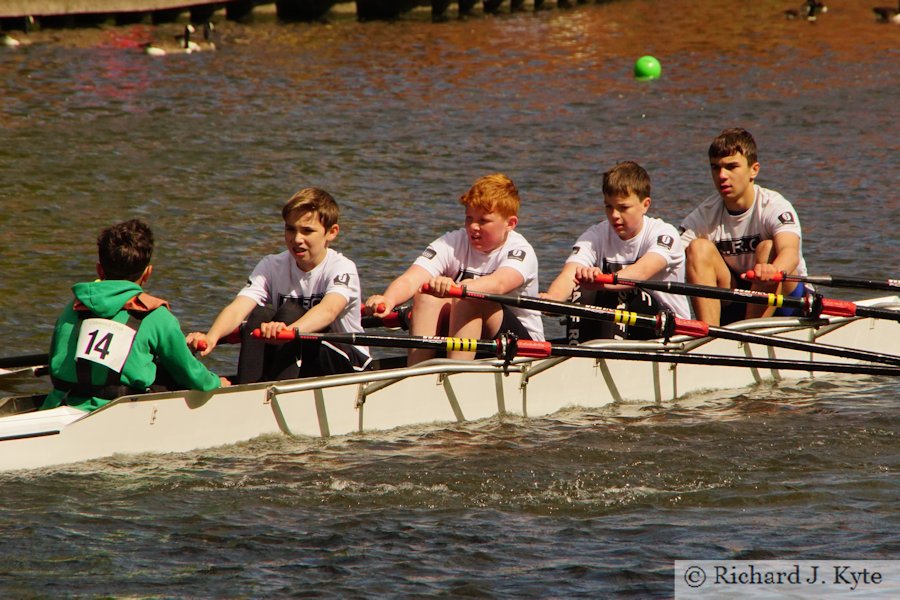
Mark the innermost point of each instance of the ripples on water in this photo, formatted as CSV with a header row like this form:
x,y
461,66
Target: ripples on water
x,y
397,119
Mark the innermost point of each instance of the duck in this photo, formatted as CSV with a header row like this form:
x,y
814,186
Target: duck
x,y
809,10
886,14
208,43
9,41
184,44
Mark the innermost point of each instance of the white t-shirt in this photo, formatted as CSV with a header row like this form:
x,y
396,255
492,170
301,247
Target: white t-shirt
x,y
277,278
736,236
451,255
599,246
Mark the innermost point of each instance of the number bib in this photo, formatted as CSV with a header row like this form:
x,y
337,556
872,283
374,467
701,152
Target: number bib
x,y
105,342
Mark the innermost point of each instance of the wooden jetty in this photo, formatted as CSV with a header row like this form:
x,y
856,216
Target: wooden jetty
x,y
26,14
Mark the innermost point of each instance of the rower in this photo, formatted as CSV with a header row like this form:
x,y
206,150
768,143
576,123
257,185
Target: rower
x,y
485,255
740,228
113,339
309,287
629,243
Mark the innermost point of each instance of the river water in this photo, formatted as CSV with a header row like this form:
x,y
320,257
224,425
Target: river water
x,y
396,120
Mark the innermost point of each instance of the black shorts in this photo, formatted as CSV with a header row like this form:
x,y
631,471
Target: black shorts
x,y
580,330
737,311
259,361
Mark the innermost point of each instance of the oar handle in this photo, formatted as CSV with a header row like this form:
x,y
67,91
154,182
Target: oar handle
x,y
455,291
287,334
779,276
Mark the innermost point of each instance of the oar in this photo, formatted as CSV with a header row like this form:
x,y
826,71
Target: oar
x,y
508,347
666,325
833,281
23,361
812,305
396,319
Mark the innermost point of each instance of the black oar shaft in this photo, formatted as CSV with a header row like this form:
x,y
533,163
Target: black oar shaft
x,y
829,306
692,328
836,281
26,360
532,349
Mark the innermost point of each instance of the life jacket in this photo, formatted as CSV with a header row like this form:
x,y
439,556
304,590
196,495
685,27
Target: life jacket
x,y
106,344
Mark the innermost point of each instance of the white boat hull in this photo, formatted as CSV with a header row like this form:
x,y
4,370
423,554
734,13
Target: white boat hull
x,y
441,391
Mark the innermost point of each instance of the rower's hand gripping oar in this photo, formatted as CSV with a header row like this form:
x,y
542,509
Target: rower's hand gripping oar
x,y
811,305
396,319
665,324
507,347
832,281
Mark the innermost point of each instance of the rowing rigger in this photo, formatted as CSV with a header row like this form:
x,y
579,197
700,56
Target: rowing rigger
x,y
811,305
833,281
665,325
507,347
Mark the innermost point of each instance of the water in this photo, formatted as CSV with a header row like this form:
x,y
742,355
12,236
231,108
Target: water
x,y
396,120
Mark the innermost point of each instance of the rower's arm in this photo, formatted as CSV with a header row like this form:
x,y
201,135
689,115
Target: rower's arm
x,y
502,281
646,267
399,291
322,315
228,320
787,252
562,287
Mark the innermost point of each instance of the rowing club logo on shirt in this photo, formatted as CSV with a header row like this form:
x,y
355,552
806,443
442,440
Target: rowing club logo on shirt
x,y
786,218
576,249
665,241
518,255
342,279
429,253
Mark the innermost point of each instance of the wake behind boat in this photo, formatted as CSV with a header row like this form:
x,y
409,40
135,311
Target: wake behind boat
x,y
438,391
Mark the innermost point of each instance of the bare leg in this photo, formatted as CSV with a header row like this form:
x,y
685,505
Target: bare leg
x,y
474,319
705,266
430,315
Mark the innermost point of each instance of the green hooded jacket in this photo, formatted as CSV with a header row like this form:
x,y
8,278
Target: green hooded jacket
x,y
159,338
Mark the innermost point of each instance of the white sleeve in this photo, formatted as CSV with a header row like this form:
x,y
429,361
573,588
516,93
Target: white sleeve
x,y
258,286
666,242
437,257
344,280
523,259
688,228
781,217
585,251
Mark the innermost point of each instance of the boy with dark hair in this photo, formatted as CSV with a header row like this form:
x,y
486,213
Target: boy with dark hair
x,y
742,227
310,287
114,339
630,244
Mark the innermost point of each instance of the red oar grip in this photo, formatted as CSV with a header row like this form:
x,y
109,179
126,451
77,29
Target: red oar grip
x,y
691,327
202,345
455,291
533,349
838,308
284,334
605,278
751,275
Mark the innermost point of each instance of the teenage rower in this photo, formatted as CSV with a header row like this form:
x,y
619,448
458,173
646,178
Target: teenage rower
x,y
742,227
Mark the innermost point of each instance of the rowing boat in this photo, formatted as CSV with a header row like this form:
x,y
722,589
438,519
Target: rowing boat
x,y
437,391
